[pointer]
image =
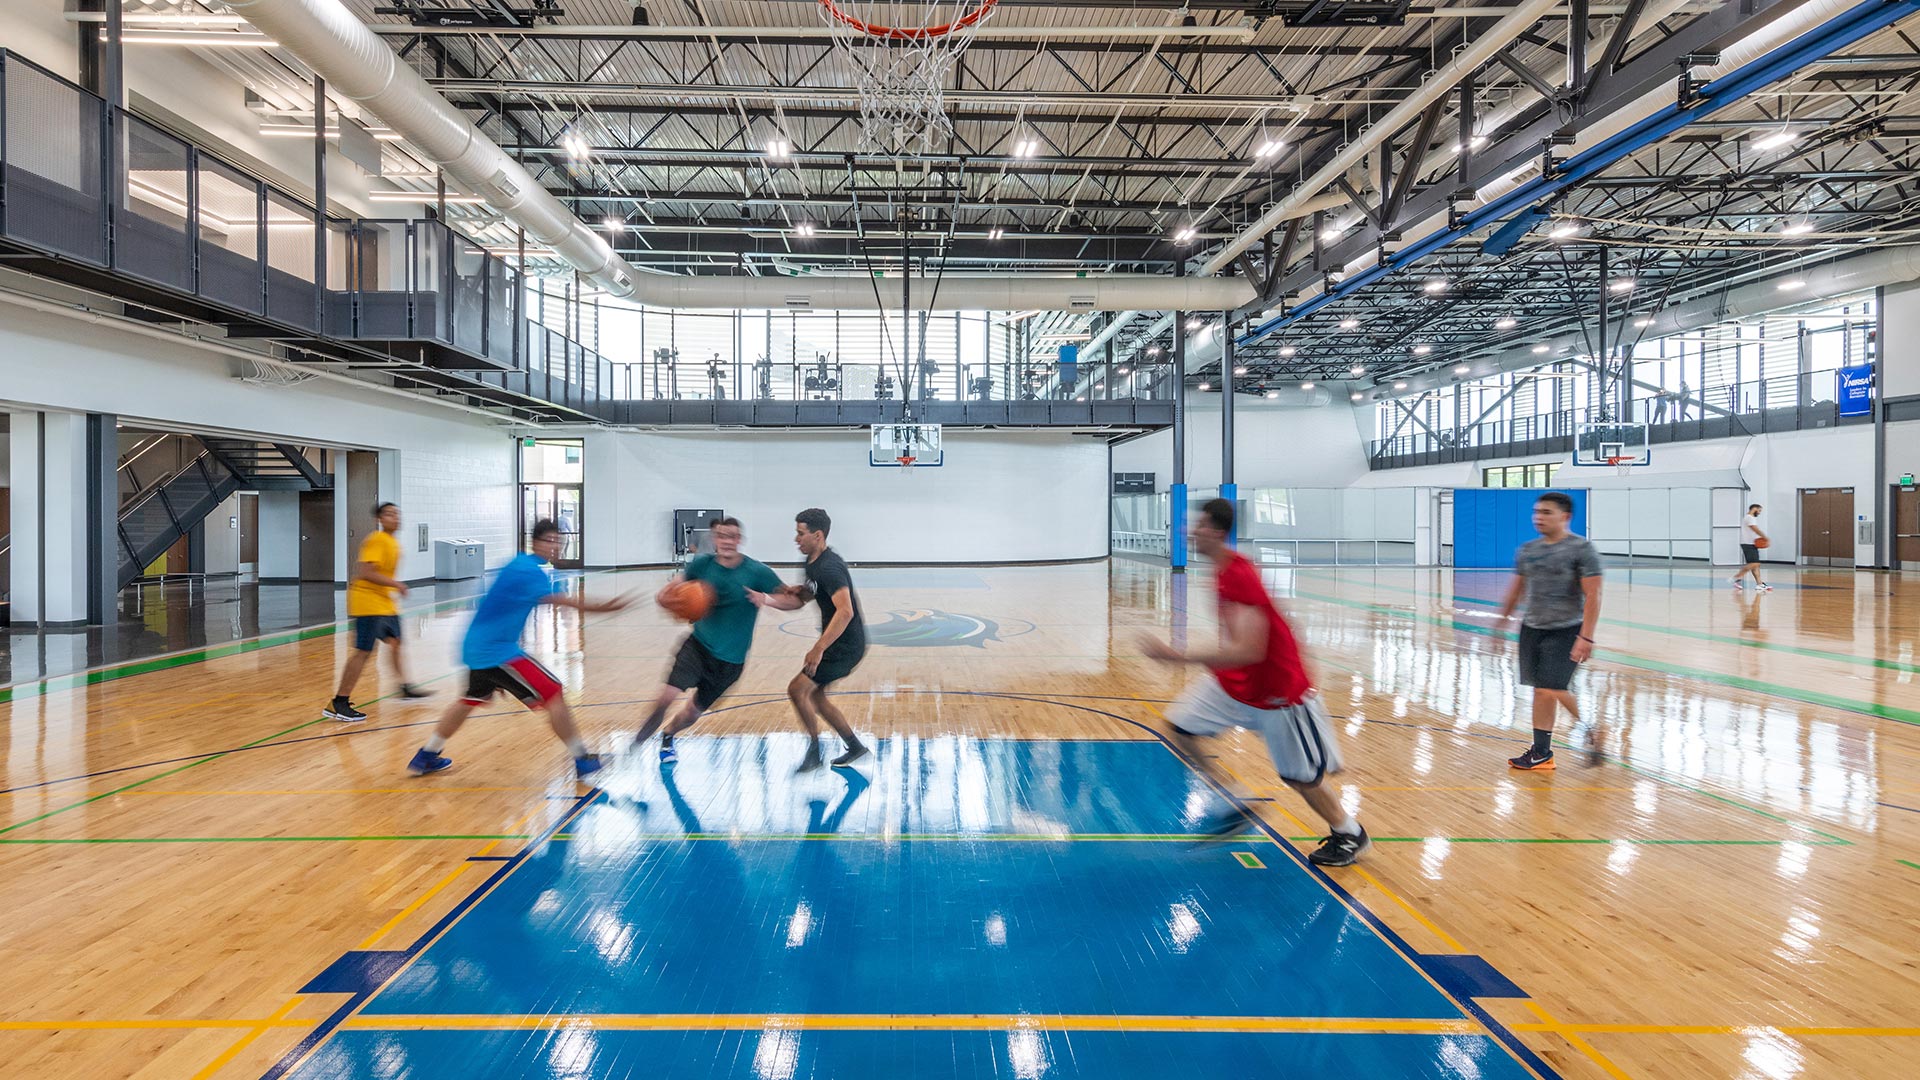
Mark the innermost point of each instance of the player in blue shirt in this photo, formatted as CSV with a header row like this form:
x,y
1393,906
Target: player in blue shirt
x,y
495,662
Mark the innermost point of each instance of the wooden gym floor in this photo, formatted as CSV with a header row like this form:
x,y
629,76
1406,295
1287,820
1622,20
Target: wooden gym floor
x,y
200,878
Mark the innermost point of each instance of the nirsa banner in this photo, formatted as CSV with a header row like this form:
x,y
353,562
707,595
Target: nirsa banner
x,y
1855,390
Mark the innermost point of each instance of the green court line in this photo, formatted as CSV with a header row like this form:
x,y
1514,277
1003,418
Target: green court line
x,y
1791,693
198,656
254,839
1700,635
1586,840
1649,773
1903,862
189,765
1249,860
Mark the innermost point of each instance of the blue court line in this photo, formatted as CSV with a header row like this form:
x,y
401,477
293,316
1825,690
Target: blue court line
x,y
1439,974
302,1049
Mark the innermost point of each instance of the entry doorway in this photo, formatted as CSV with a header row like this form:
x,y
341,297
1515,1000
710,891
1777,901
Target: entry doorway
x,y
561,502
1906,528
1826,526
316,536
249,525
552,475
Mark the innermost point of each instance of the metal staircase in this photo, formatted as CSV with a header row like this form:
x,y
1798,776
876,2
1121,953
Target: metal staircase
x,y
154,519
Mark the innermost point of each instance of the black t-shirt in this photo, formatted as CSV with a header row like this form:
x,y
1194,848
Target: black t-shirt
x,y
826,575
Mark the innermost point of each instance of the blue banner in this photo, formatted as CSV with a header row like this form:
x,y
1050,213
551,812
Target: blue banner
x,y
1069,364
1855,390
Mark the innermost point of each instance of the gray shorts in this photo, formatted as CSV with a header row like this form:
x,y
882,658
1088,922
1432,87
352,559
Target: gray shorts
x,y
1300,738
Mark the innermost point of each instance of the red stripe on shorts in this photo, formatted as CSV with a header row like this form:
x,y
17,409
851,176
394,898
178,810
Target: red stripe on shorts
x,y
537,678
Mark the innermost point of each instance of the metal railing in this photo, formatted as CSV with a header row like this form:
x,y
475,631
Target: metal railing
x,y
1794,403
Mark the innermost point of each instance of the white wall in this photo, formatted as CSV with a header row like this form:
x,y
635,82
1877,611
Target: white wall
x,y
1772,467
1272,446
455,469
1001,496
280,534
222,549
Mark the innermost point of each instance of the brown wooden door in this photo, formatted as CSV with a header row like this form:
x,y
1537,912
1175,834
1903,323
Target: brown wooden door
x,y
1826,526
316,536
1906,526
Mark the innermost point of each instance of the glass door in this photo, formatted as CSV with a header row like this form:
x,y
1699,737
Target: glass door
x,y
562,503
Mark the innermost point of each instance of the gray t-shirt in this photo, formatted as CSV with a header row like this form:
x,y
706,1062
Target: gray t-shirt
x,y
1553,573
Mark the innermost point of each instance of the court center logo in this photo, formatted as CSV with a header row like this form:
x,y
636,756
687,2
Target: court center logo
x,y
922,628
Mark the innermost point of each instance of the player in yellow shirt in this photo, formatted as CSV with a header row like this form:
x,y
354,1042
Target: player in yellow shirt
x,y
375,614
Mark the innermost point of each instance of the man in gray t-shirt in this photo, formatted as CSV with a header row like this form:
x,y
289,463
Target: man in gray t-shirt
x,y
1559,577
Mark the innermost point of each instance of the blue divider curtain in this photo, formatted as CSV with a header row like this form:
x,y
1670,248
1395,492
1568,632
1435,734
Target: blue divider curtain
x,y
1490,523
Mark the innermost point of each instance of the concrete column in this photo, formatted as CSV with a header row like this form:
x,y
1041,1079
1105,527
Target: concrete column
x,y
1229,490
102,496
48,496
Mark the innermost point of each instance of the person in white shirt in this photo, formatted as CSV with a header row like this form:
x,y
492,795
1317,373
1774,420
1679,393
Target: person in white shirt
x,y
1752,539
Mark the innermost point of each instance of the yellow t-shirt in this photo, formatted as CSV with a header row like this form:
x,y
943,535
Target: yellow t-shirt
x,y
363,596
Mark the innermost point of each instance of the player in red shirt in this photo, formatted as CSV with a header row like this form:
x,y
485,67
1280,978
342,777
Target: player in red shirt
x,y
1260,683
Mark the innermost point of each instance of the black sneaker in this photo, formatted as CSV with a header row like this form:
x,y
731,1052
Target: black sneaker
x,y
342,711
1231,823
1532,762
1339,849
854,753
410,692
813,760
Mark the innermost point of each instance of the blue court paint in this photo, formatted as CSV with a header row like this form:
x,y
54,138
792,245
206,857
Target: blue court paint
x,y
1177,526
617,925
357,972
941,785
1231,493
1468,976
986,1055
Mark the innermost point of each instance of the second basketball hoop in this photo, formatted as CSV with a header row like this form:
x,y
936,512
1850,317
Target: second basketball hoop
x,y
899,54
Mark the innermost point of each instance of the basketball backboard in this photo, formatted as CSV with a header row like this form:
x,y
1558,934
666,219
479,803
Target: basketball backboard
x,y
1611,443
908,445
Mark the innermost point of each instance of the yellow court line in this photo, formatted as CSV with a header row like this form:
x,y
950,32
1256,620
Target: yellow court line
x,y
912,1022
144,1025
1578,1043
388,926
245,1041
1720,1029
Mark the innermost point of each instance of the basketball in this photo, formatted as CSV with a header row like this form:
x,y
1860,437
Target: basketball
x,y
1763,543
688,601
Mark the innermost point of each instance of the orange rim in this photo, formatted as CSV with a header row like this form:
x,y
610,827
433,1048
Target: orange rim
x,y
907,462
918,33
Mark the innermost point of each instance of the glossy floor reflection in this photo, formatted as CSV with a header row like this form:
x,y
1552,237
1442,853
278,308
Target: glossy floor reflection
x,y
205,880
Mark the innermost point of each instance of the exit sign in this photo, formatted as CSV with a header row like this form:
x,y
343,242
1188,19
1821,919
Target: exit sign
x,y
527,442
1906,480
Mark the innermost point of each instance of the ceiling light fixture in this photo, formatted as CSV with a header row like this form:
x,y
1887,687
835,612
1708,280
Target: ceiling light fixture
x,y
1206,386
804,228
199,39
1153,350
1355,396
1505,322
1776,140
1644,321
614,224
1184,234
1422,350
1267,149
1798,228
1461,369
1435,285
576,146
1194,324
1624,284
1539,349
1564,230
1026,148
1359,369
1273,393
424,197
1240,370
1791,284
1401,385
1349,324
1288,350
1306,386
779,149
996,233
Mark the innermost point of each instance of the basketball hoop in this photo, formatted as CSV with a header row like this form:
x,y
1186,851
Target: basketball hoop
x,y
899,53
1624,464
906,461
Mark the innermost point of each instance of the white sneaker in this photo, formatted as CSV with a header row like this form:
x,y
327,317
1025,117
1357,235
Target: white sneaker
x,y
1764,587
1737,587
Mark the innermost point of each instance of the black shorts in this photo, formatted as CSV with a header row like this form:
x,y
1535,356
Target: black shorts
x,y
371,630
837,665
1546,657
522,677
1750,553
698,670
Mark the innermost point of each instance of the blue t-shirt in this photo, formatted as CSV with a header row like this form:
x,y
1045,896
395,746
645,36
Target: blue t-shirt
x,y
494,637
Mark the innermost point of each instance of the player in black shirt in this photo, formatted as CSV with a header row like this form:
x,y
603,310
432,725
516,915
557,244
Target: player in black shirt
x,y
843,637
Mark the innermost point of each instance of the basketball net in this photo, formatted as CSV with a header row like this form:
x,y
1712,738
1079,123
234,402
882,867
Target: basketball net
x,y
1623,465
906,461
899,53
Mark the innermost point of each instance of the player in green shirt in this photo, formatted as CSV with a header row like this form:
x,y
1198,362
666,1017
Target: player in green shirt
x,y
713,655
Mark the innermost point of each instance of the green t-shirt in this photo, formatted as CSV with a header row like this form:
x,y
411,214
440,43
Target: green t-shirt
x,y
727,631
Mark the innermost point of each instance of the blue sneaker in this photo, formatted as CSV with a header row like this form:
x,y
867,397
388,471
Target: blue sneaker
x,y
586,765
425,761
668,755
